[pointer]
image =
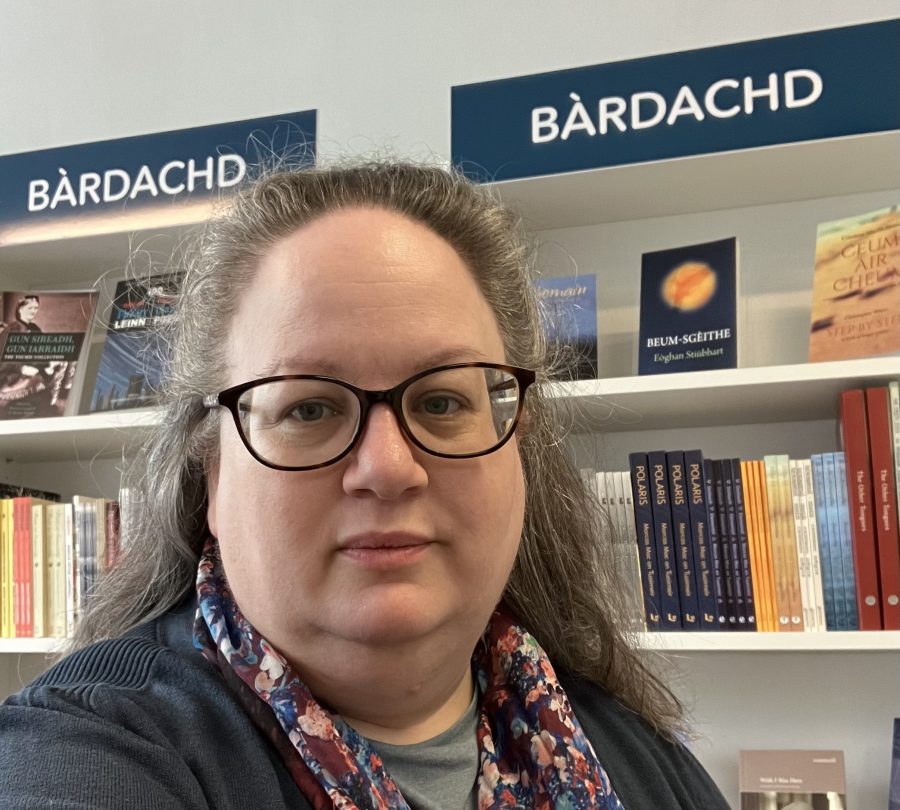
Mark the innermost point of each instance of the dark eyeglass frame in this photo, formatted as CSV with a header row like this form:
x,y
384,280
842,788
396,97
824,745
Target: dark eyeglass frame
x,y
229,398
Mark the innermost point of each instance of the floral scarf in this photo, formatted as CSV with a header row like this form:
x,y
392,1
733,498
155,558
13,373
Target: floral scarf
x,y
533,752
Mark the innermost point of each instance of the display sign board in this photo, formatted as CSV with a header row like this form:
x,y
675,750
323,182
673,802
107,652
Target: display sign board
x,y
126,177
826,84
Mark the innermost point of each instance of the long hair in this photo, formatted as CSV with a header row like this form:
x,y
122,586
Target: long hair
x,y
563,586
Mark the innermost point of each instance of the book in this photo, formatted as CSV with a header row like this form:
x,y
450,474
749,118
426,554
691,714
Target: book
x,y
728,551
701,538
801,538
755,545
884,504
715,545
784,543
894,389
734,483
132,364
569,318
854,433
823,529
856,287
16,491
688,309
792,780
894,787
670,603
845,534
7,602
646,538
42,346
684,544
758,478
812,527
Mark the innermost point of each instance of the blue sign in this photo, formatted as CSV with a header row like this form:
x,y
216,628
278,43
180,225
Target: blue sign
x,y
127,174
826,84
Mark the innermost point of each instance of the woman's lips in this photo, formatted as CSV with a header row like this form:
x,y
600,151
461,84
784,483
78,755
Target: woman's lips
x,y
385,550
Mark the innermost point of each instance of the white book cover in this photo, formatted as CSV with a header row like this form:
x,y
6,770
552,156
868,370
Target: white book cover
x,y
38,570
801,532
618,506
70,567
815,556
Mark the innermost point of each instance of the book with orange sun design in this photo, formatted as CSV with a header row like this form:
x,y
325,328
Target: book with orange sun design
x,y
689,308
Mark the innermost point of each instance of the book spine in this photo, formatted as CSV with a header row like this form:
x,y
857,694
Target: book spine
x,y
884,504
768,568
6,631
25,629
894,389
783,464
859,498
112,533
646,537
801,538
823,532
727,547
17,585
740,518
848,563
703,566
812,529
670,604
39,569
718,564
70,567
684,545
779,566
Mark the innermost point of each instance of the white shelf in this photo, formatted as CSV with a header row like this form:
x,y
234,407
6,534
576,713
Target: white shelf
x,y
98,435
30,646
789,393
769,394
836,641
772,174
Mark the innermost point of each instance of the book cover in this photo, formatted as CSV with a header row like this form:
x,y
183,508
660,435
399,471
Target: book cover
x,y
569,318
16,491
646,536
792,780
42,338
735,481
700,535
39,567
727,549
631,554
754,544
7,603
814,544
884,504
688,312
766,554
856,287
684,544
854,432
670,603
784,544
132,364
845,533
801,538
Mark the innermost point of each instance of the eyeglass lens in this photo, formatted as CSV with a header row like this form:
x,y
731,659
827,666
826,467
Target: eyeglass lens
x,y
455,412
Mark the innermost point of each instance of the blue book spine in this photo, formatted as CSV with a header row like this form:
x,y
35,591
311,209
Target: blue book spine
x,y
684,545
670,602
704,575
646,538
840,481
824,530
727,548
715,544
832,511
740,519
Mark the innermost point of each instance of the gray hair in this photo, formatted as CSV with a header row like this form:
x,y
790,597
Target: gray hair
x,y
563,586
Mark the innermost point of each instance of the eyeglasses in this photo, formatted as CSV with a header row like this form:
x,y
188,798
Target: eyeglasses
x,y
306,421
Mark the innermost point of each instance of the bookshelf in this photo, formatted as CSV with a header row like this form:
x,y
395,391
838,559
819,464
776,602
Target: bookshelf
x,y
600,222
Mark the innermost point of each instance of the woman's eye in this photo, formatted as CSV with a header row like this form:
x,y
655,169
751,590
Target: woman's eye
x,y
440,405
310,411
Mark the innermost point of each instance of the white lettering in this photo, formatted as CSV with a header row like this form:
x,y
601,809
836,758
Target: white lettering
x,y
108,176
38,198
64,192
144,182
709,100
770,91
578,119
544,118
164,177
88,184
612,108
685,104
223,179
193,174
637,122
790,91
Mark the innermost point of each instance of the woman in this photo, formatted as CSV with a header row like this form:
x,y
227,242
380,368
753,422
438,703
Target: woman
x,y
363,573
26,311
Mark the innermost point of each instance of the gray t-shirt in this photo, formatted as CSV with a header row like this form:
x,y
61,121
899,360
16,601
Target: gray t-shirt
x,y
440,773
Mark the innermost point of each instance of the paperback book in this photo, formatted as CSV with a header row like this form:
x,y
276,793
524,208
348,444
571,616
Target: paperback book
x,y
792,780
569,316
688,319
42,342
856,287
133,359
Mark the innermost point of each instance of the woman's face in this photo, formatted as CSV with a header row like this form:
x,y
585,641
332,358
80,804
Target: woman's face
x,y
370,297
29,310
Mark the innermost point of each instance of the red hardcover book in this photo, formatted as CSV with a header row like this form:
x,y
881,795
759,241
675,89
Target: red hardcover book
x,y
884,504
22,567
859,496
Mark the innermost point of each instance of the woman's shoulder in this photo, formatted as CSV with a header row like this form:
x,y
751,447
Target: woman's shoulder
x,y
646,768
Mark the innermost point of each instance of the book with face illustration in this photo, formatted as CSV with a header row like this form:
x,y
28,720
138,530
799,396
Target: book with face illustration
x,y
42,343
856,287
